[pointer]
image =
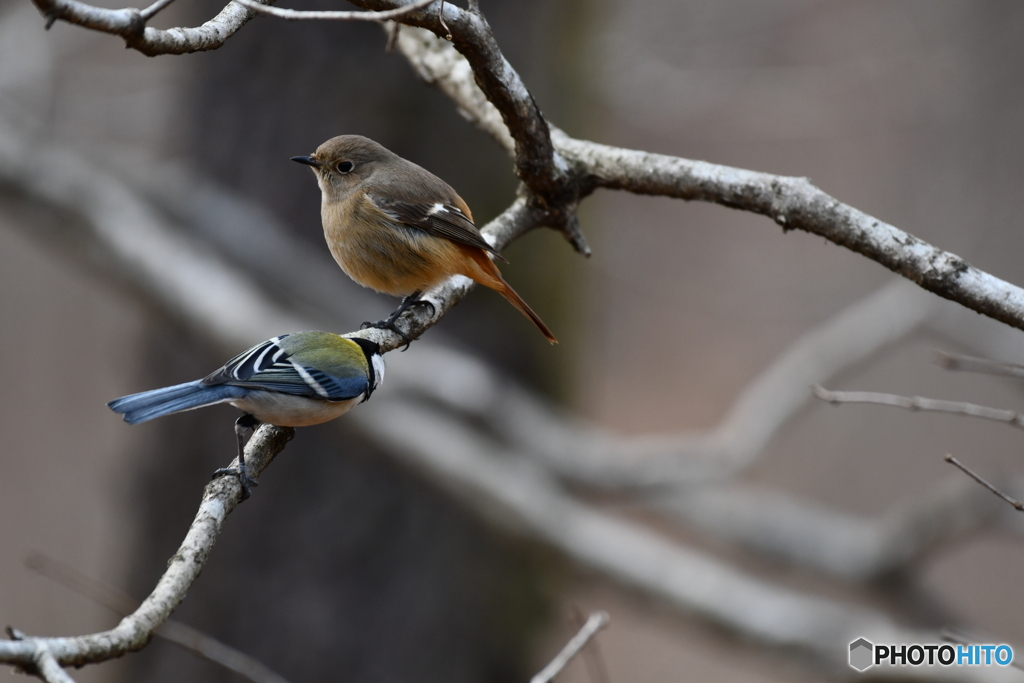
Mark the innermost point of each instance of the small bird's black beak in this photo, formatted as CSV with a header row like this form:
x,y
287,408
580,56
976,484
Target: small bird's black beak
x,y
308,161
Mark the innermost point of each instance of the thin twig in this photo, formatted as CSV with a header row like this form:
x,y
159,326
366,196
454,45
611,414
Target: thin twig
x,y
973,475
152,10
962,363
919,403
596,622
592,657
213,650
322,15
173,631
115,600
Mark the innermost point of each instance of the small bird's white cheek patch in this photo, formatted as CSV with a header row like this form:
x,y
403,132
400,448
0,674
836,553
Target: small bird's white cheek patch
x,y
378,368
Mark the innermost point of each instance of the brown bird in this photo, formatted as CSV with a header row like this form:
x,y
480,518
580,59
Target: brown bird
x,y
397,228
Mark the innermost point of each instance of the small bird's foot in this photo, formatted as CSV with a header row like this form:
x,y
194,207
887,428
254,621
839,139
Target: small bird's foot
x,y
244,427
389,324
247,482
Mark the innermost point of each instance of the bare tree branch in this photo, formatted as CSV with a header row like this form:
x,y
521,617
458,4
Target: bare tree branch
x,y
793,203
595,622
596,667
916,403
43,665
174,631
440,65
134,631
546,160
130,24
472,37
154,9
559,170
959,362
295,15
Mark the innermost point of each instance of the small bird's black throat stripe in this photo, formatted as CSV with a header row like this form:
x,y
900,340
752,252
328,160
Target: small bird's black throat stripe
x,y
370,349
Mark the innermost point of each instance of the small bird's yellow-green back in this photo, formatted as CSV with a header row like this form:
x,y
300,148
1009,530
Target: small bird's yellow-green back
x,y
331,353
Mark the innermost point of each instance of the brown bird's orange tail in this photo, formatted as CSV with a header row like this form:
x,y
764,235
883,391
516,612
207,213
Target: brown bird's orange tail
x,y
491,277
517,301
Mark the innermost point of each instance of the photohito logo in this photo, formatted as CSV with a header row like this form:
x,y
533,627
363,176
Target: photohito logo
x,y
864,654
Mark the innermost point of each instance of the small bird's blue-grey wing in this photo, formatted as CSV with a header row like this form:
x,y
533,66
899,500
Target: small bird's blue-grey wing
x,y
249,362
269,366
440,219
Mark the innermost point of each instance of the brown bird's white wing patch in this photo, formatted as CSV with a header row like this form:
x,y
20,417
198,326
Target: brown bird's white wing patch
x,y
439,219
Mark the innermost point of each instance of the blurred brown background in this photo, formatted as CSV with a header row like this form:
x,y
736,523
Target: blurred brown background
x,y
346,566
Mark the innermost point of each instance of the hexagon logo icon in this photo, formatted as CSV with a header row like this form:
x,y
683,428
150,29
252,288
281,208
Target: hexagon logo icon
x,y
861,654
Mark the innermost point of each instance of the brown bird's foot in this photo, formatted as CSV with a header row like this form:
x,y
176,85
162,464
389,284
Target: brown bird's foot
x,y
389,324
244,427
423,302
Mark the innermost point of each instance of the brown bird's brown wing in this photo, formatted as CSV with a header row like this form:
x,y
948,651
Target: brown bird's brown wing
x,y
440,219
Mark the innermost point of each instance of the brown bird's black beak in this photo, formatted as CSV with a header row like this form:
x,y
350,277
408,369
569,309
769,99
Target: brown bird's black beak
x,y
308,161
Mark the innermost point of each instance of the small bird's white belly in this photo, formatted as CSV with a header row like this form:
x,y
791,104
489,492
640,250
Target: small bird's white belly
x,y
291,411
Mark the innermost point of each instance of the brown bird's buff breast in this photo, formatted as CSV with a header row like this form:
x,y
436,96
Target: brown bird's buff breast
x,y
384,255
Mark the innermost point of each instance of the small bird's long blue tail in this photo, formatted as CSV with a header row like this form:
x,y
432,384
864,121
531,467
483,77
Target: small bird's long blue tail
x,y
158,402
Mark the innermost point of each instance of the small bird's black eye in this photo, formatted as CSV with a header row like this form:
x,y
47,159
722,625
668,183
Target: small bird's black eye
x,y
345,167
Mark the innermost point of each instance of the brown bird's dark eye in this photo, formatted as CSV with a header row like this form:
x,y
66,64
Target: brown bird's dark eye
x,y
345,167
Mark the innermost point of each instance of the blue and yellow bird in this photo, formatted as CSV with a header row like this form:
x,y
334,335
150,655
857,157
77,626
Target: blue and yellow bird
x,y
293,380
